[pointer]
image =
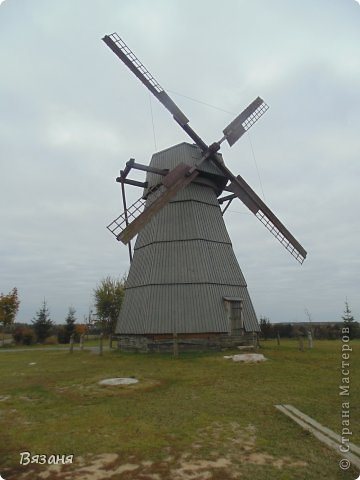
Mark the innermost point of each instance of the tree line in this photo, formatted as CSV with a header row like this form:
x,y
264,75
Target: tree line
x,y
325,331
107,296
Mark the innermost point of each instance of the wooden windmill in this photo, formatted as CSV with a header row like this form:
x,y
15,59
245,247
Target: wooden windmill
x,y
184,277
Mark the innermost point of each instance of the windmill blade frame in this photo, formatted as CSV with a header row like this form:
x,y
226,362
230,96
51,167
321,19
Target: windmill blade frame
x,y
254,203
119,47
243,122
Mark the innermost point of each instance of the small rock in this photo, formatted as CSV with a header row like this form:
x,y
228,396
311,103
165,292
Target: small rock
x,y
118,381
247,357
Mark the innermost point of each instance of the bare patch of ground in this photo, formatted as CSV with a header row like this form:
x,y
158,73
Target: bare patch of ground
x,y
220,451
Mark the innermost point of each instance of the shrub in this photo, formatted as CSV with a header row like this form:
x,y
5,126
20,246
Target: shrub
x,y
52,340
24,336
29,336
18,334
61,335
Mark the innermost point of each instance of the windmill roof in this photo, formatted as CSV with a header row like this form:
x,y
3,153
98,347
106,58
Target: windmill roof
x,y
190,155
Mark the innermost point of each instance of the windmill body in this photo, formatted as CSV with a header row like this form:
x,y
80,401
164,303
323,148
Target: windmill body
x,y
184,277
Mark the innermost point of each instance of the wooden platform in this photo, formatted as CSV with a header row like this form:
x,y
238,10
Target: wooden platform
x,y
324,434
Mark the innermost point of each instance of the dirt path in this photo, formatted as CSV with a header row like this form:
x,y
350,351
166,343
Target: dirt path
x,y
220,453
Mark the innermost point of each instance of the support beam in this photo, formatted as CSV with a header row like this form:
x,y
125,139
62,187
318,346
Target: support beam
x,y
147,168
129,165
135,183
227,198
227,206
126,216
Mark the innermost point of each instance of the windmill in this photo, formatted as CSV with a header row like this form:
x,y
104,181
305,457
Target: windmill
x,y
184,278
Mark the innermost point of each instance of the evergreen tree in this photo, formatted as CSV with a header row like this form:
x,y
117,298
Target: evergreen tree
x,y
70,325
42,323
347,317
266,327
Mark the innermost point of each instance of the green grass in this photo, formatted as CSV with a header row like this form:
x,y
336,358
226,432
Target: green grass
x,y
56,406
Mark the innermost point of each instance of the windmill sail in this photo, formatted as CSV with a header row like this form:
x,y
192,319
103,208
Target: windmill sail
x,y
245,120
172,183
119,47
254,203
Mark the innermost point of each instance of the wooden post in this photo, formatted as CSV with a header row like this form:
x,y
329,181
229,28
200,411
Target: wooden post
x,y
82,342
278,338
110,341
71,348
301,343
101,344
175,344
310,340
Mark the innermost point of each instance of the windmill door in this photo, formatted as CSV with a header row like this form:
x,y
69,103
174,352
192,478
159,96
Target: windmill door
x,y
236,318
234,309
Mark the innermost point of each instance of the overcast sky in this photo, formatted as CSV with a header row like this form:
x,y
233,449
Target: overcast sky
x,y
71,115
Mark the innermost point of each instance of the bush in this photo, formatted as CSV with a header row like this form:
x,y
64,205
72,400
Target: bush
x,y
61,335
52,340
24,336
29,336
18,334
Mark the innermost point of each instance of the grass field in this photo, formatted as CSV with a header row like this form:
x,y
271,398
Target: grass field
x,y
197,416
